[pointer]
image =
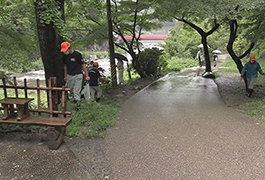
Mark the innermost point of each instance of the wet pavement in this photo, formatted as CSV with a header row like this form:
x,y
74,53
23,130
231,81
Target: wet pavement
x,y
179,128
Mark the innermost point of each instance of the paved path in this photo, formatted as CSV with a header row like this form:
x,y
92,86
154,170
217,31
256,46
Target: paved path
x,y
179,128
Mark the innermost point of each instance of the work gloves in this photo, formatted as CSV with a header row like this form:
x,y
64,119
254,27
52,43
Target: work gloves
x,y
87,80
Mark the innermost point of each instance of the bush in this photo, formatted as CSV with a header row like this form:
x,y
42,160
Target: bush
x,y
152,62
176,63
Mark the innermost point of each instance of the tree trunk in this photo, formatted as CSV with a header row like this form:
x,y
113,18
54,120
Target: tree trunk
x,y
50,41
206,53
111,46
136,65
237,59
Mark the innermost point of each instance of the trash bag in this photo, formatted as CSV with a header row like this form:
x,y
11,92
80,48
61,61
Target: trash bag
x,y
262,80
86,92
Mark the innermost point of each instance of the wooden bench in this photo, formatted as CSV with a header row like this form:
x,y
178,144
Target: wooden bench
x,y
20,114
22,106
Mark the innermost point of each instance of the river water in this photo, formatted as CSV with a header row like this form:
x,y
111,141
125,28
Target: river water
x,y
32,76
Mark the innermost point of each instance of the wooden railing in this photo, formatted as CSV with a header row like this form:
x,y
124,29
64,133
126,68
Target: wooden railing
x,y
16,109
52,95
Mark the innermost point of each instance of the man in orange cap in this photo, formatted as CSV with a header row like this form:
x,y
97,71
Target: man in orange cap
x,y
73,66
251,68
95,89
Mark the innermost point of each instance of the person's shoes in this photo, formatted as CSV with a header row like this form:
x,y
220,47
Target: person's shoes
x,y
250,92
97,99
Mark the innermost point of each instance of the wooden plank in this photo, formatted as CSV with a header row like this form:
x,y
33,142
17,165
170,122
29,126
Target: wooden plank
x,y
41,88
43,111
39,120
19,101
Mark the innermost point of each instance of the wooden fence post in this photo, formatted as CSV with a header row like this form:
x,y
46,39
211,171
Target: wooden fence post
x,y
4,87
15,84
25,88
54,96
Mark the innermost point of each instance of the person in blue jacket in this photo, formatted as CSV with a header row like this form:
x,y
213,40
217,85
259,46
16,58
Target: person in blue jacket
x,y
251,68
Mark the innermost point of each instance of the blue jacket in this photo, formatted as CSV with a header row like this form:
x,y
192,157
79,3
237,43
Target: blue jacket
x,y
252,69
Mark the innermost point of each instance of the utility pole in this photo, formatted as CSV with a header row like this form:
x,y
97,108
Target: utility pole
x,y
111,46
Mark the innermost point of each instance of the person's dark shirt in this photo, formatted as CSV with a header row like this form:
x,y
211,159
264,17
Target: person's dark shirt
x,y
73,62
215,57
94,75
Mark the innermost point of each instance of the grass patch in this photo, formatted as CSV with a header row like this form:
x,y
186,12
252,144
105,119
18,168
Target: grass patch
x,y
230,65
254,107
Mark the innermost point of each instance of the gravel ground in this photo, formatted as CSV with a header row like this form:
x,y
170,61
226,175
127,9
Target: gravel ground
x,y
232,89
26,156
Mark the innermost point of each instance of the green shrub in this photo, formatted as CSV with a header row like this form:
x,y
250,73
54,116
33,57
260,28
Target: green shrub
x,y
181,63
152,62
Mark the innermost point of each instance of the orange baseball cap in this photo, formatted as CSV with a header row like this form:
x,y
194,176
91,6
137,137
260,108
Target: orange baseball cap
x,y
252,58
64,46
95,63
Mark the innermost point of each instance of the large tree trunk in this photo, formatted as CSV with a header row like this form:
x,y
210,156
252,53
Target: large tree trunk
x,y
50,41
206,53
237,59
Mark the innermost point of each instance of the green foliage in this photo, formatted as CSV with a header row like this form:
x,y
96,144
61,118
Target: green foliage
x,y
99,54
132,18
18,38
91,118
176,63
152,62
14,54
86,21
51,12
35,65
181,42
